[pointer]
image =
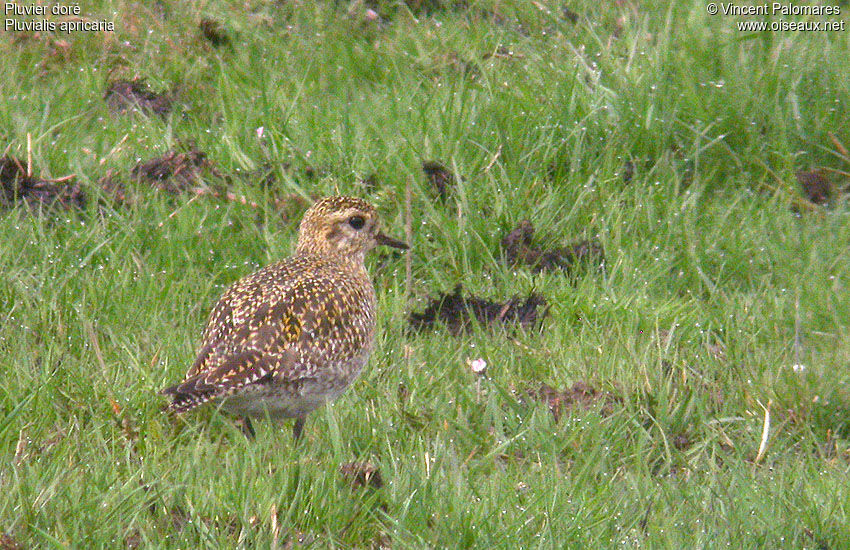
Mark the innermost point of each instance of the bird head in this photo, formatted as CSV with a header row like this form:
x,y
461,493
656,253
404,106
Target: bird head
x,y
345,226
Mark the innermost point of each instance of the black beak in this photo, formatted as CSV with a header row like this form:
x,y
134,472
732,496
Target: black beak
x,y
380,238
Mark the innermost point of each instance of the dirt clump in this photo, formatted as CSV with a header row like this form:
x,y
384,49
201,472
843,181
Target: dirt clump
x,y
362,474
569,15
175,172
682,442
580,396
125,96
19,186
816,186
441,178
520,250
456,312
214,32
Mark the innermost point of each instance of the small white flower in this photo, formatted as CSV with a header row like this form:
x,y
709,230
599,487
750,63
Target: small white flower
x,y
798,367
478,366
261,132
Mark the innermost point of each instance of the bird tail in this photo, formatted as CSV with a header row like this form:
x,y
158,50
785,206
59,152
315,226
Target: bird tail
x,y
184,399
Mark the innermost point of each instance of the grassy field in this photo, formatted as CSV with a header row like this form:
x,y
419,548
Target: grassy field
x,y
668,137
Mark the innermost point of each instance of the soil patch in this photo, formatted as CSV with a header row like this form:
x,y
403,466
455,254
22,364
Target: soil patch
x,y
176,172
816,186
362,474
441,178
214,32
520,250
20,188
457,312
125,96
580,396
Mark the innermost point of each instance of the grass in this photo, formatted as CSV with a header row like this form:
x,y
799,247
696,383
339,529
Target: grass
x,y
709,278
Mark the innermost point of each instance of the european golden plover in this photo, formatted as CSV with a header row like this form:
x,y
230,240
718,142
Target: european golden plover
x,y
294,335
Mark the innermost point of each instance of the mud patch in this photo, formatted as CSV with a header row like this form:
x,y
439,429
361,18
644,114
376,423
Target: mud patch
x,y
362,474
816,186
126,96
176,172
20,187
682,442
441,178
457,312
580,396
569,15
214,32
520,250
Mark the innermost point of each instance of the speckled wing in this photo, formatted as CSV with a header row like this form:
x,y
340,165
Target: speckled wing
x,y
273,324
246,311
253,333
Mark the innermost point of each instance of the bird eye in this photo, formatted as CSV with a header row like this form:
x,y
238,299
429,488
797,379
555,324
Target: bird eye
x,y
357,222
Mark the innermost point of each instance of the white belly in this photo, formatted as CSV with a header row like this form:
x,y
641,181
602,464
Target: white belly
x,y
288,400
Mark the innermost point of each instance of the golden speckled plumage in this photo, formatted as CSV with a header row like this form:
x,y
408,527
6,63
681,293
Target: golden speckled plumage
x,y
293,335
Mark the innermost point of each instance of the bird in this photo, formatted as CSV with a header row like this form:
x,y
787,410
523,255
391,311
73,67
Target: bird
x,y
294,335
